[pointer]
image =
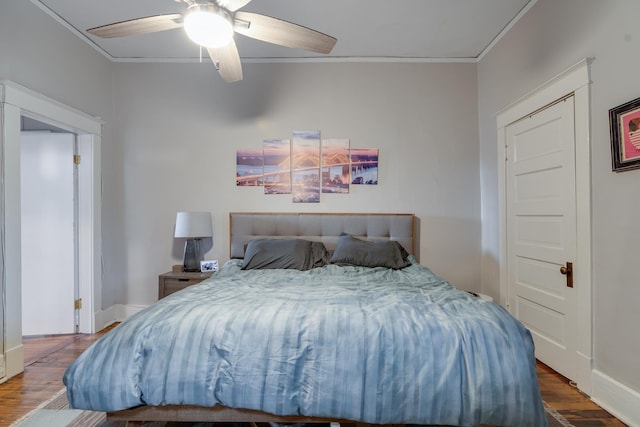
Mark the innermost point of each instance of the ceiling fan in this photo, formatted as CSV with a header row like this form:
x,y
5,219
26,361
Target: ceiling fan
x,y
211,24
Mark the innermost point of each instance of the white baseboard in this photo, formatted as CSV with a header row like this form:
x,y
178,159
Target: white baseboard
x,y
620,400
115,313
584,372
14,358
123,312
104,318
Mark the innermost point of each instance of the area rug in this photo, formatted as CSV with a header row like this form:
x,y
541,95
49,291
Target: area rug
x,y
55,412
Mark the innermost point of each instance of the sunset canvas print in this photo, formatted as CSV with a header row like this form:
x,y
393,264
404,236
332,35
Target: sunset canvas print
x,y
249,165
335,165
277,166
364,166
305,165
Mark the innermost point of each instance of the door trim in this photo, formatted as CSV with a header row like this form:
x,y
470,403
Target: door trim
x,y
574,80
16,101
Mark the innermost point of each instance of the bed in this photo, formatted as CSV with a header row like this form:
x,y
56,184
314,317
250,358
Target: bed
x,y
316,318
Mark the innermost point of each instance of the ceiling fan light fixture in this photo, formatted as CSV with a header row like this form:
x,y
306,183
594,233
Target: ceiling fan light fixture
x,y
208,25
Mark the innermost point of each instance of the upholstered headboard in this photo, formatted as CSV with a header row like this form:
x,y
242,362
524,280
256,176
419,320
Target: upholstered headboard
x,y
323,227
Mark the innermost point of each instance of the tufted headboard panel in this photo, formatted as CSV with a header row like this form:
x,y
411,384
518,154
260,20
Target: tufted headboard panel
x,y
323,227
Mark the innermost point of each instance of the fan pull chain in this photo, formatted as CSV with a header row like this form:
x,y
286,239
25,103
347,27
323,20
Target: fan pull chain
x,y
201,54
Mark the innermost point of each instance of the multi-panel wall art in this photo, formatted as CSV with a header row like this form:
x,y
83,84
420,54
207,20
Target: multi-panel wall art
x,y
307,165
364,166
277,166
335,165
249,167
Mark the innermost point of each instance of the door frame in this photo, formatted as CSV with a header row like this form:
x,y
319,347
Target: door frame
x,y
574,80
17,101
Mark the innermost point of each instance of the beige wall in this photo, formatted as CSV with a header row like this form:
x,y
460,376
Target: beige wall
x,y
179,126
551,37
38,53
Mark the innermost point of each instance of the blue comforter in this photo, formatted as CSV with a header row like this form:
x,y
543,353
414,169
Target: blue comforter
x,y
373,345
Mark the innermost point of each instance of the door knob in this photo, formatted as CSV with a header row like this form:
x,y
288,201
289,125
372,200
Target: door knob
x,y
568,271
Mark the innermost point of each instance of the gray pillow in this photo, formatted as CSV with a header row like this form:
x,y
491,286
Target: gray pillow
x,y
352,251
319,254
296,254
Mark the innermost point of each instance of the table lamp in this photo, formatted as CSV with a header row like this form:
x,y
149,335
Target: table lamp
x,y
193,226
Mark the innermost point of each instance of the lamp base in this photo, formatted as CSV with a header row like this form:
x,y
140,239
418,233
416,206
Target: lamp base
x,y
192,255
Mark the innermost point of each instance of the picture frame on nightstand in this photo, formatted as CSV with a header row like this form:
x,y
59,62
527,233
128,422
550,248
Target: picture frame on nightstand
x,y
209,266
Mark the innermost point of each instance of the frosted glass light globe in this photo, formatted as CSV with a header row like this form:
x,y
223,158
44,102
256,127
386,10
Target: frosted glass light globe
x,y
208,26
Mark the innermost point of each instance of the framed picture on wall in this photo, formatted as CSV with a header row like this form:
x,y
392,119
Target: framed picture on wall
x,y
624,126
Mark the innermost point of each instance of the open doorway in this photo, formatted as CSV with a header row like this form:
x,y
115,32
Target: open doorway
x,y
49,238
17,102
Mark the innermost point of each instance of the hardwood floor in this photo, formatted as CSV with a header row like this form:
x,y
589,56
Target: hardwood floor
x,y
46,359
577,408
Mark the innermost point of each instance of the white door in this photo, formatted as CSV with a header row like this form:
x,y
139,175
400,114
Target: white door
x,y
47,218
541,231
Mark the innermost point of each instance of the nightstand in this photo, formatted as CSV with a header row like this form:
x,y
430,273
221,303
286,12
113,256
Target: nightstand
x,y
175,281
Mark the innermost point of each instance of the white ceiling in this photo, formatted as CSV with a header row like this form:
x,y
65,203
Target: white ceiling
x,y
403,30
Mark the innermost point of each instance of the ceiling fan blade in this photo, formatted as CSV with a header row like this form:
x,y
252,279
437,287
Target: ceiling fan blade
x,y
149,24
227,61
284,33
233,5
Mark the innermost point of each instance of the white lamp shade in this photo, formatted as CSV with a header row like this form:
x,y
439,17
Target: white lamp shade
x,y
193,224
